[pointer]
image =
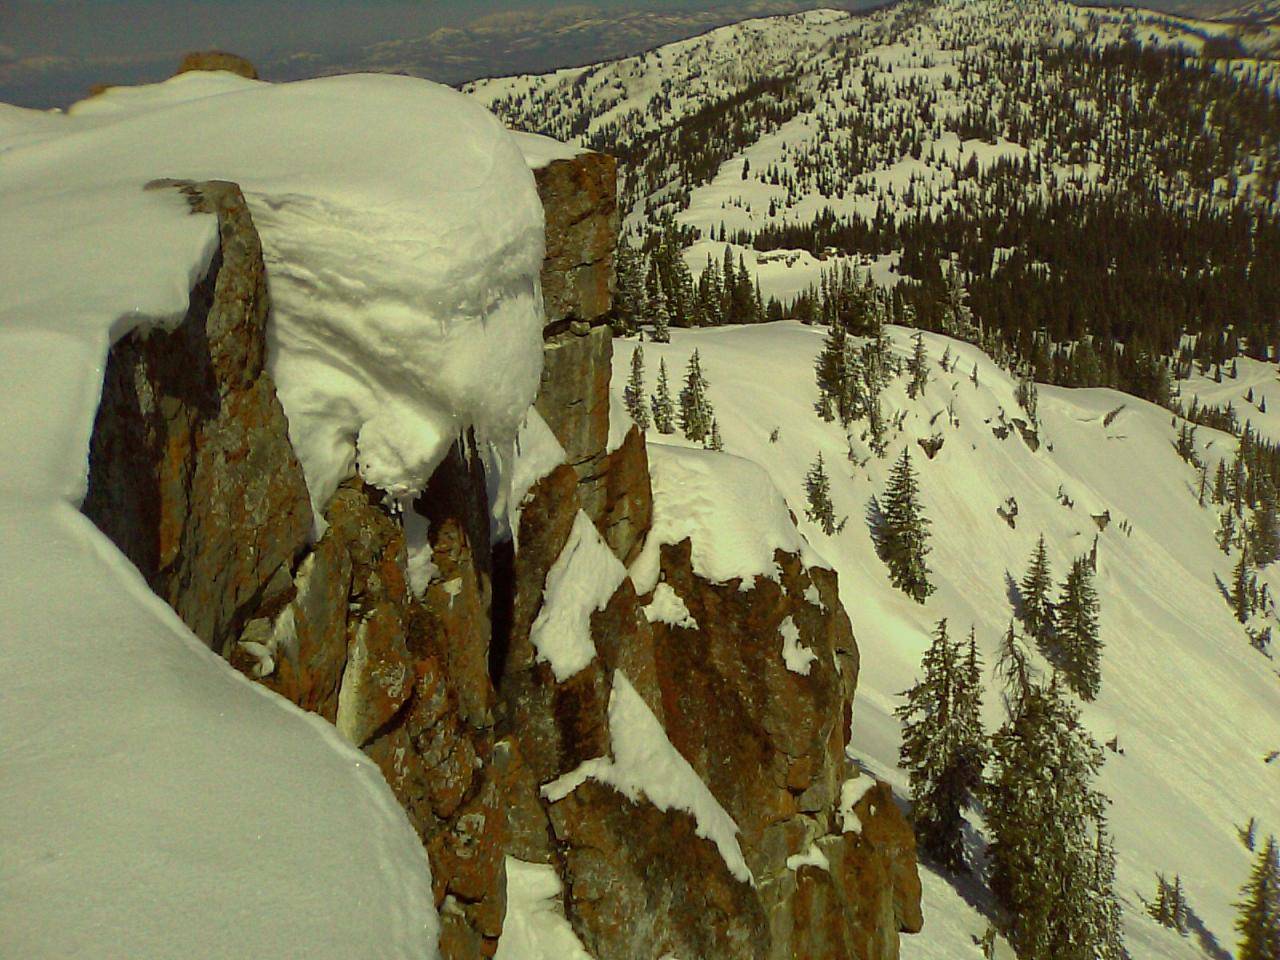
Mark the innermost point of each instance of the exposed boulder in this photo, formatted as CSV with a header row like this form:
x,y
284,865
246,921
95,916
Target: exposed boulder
x,y
217,60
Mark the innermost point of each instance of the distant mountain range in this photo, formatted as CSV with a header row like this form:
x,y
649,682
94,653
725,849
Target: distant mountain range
x,y
498,45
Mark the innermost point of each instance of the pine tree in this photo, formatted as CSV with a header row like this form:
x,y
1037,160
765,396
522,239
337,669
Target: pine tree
x,y
695,408
1258,922
903,534
715,442
633,393
918,368
1105,916
1169,909
832,372
661,319
973,738
1028,398
817,488
1037,608
1078,646
1013,671
630,299
663,409
937,749
1050,866
1241,579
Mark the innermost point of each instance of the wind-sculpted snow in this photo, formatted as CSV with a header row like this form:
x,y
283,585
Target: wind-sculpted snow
x,y
402,233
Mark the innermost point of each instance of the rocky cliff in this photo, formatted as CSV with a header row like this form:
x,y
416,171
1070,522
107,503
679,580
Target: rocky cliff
x,y
426,644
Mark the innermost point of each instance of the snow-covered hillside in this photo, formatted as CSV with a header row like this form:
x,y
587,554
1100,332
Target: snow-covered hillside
x,y
770,124
1193,709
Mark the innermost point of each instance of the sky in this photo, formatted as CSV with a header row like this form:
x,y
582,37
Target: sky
x,y
108,28
53,51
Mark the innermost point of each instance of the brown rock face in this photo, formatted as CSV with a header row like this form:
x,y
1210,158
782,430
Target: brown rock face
x,y
580,197
217,60
191,472
574,395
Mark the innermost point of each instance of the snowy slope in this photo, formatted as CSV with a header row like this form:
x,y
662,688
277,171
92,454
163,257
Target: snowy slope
x,y
156,803
1194,707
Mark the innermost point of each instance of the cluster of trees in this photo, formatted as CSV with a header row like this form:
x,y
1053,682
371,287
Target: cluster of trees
x,y
656,289
851,377
1244,489
691,411
1065,630
1050,858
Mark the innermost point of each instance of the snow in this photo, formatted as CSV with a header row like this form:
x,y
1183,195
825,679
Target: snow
x,y
540,151
667,607
158,804
645,764
797,657
582,581
1195,708
537,453
812,857
535,927
421,565
728,505
401,228
851,793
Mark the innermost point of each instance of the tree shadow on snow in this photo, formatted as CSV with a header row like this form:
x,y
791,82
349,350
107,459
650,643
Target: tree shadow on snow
x,y
1014,593
1208,942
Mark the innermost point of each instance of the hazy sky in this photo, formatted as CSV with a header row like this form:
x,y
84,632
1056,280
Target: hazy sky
x,y
108,28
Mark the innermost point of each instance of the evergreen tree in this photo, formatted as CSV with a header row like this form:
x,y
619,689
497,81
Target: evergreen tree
x,y
629,301
1241,593
1169,908
1105,922
937,749
633,393
661,319
1028,398
918,368
663,409
1037,608
695,408
1051,869
902,537
973,738
1258,922
1013,670
1078,646
1264,532
714,442
817,488
832,373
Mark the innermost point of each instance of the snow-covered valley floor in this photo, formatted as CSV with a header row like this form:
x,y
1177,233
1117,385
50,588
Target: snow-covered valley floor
x,y
1194,709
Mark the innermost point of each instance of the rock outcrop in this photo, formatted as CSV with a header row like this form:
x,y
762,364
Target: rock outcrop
x,y
418,638
217,60
580,199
